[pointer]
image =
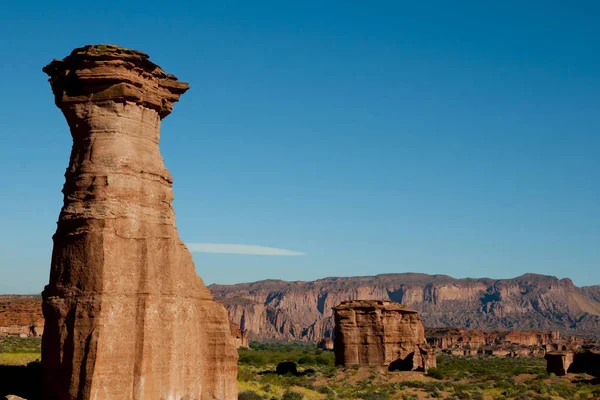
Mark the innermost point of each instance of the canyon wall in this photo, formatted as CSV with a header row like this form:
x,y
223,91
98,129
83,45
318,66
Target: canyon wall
x,y
21,316
274,309
300,310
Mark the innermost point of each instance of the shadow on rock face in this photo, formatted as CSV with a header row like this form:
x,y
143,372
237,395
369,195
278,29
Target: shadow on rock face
x,y
400,364
25,382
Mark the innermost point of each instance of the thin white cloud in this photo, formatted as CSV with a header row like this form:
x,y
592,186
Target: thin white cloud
x,y
226,248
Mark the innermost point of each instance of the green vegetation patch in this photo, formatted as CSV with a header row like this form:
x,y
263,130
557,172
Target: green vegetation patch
x,y
15,344
272,353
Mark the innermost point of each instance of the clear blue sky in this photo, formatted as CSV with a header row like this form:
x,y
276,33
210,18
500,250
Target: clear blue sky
x,y
460,138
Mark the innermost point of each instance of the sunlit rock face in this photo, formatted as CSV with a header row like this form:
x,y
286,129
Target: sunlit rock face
x,y
375,332
299,310
126,316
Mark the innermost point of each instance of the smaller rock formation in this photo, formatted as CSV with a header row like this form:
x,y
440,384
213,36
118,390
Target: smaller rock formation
x,y
463,342
325,344
376,332
240,336
562,362
558,362
286,367
21,316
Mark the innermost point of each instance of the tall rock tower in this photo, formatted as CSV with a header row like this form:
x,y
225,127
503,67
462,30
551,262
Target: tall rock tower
x,y
126,315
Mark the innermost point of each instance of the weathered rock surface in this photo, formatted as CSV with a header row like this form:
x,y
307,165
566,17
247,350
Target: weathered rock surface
x,y
303,310
325,344
126,316
558,362
501,343
381,333
21,315
239,335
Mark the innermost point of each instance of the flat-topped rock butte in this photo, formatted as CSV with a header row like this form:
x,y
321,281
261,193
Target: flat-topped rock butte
x,y
126,316
376,332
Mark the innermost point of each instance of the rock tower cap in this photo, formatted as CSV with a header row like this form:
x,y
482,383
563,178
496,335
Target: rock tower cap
x,y
107,72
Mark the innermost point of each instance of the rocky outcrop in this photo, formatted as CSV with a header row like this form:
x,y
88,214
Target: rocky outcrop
x,y
240,336
558,362
381,333
303,310
501,343
126,316
325,344
563,362
21,316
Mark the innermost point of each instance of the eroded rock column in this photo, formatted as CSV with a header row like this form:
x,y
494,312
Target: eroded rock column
x,y
375,332
126,316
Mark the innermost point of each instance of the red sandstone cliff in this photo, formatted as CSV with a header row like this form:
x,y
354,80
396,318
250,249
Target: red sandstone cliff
x,y
275,309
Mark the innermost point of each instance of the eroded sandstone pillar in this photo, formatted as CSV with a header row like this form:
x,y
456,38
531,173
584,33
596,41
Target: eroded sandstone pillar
x,y
126,315
376,332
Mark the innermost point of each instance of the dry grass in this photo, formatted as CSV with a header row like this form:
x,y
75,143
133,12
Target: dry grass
x,y
16,359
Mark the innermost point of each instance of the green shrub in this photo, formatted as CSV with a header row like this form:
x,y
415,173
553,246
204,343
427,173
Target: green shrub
x,y
435,373
306,360
373,396
249,395
410,397
291,395
325,390
245,375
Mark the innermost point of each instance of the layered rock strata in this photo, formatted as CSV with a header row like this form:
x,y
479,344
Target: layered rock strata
x,y
126,316
21,316
501,343
303,310
381,333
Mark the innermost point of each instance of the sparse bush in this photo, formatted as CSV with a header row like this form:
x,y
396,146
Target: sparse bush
x,y
435,373
325,390
245,375
410,397
374,396
249,395
466,378
291,395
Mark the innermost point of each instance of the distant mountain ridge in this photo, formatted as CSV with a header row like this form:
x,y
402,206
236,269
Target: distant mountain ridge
x,y
275,309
